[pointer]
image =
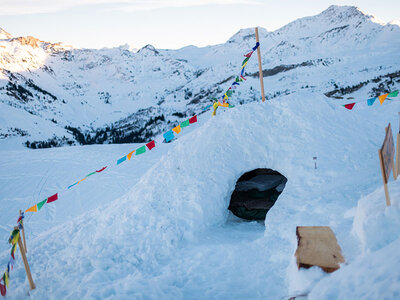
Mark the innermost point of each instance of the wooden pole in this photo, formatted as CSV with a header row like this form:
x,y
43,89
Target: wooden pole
x,y
23,232
384,178
26,265
397,156
260,66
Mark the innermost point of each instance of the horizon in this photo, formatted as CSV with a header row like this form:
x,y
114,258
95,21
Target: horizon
x,y
102,24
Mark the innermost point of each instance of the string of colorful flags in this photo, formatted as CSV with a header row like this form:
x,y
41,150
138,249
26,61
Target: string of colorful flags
x,y
371,101
168,136
222,101
13,239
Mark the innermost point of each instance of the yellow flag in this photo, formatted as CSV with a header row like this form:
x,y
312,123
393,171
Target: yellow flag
x,y
15,239
245,64
6,278
226,96
382,98
177,129
32,209
224,105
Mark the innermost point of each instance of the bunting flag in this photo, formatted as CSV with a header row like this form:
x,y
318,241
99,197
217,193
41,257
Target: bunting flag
x,y
185,124
256,46
40,204
177,129
32,209
382,98
129,156
5,278
3,289
90,174
101,170
52,198
140,150
169,136
371,101
151,145
393,94
121,160
349,106
72,185
249,54
81,180
193,120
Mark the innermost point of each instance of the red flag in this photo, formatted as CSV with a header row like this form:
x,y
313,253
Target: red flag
x,y
249,54
349,106
151,145
193,120
52,198
3,289
102,169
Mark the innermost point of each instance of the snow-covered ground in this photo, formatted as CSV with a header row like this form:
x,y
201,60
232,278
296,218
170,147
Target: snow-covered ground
x,y
157,227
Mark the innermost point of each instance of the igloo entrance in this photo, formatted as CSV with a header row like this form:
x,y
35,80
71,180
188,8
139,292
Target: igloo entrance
x,y
255,193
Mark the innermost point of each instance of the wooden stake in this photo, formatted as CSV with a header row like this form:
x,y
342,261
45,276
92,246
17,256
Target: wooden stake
x,y
397,156
384,179
260,67
23,232
26,265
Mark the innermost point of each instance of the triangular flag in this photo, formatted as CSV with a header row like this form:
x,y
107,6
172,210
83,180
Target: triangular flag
x,y
371,101
140,150
349,106
237,79
168,136
32,209
40,204
121,160
185,123
52,198
229,93
393,94
5,278
193,120
226,97
129,156
72,185
101,170
244,62
177,129
235,83
242,77
151,145
382,98
3,289
81,180
249,54
90,174
225,105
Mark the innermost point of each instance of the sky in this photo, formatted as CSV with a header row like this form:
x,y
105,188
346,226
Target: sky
x,y
166,24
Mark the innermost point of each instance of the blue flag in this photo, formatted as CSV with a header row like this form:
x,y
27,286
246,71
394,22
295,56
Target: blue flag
x,y
121,160
371,101
168,136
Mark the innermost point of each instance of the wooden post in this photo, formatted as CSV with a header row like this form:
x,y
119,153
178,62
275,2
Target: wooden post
x,y
260,67
23,232
26,265
397,156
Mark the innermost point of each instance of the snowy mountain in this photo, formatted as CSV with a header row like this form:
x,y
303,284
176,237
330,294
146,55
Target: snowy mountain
x,y
157,226
61,95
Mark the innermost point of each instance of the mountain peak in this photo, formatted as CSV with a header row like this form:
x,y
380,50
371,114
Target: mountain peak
x,y
149,49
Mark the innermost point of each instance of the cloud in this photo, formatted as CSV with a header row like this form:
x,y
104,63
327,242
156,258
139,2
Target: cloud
x,y
20,7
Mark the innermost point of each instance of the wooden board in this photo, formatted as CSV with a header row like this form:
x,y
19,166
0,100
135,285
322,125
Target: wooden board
x,y
386,154
317,246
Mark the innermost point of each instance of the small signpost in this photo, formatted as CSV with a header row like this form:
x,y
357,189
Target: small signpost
x,y
386,157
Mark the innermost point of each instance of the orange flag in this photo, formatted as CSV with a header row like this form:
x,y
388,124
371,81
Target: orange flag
x,y
81,180
130,155
382,98
32,209
177,129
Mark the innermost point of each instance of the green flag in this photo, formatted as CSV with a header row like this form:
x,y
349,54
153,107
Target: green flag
x,y
140,150
245,60
393,94
40,204
229,93
90,174
185,123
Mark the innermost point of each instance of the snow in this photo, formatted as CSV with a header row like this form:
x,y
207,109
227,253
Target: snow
x,y
158,226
